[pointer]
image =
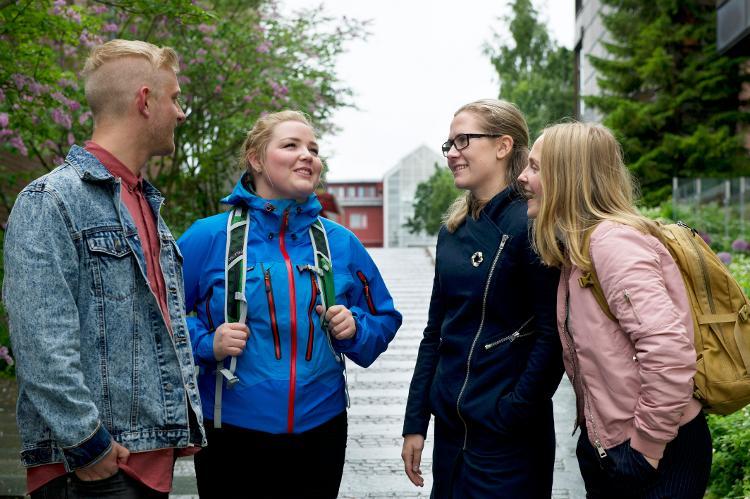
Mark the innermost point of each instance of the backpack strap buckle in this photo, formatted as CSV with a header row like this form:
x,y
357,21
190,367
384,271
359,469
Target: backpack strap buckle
x,y
744,313
585,281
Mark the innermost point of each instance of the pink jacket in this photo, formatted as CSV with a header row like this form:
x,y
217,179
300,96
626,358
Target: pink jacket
x,y
635,376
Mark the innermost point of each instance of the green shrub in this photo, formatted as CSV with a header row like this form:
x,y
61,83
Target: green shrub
x,y
730,472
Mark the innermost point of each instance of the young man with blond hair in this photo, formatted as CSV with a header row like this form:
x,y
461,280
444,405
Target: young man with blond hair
x,y
93,287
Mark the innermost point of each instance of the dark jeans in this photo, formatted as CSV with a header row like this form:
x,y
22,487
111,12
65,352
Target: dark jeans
x,y
244,463
118,486
625,474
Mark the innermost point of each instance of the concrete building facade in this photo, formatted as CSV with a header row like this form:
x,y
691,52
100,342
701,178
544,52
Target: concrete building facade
x,y
399,188
589,37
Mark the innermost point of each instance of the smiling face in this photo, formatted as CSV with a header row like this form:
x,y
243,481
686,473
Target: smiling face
x,y
291,168
530,180
481,166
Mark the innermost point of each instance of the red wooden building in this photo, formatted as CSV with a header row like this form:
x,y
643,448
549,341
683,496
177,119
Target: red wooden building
x,y
360,205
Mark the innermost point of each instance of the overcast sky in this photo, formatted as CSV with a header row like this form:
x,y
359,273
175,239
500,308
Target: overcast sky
x,y
422,61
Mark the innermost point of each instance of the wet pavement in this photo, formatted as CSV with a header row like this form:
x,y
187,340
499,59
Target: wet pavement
x,y
378,394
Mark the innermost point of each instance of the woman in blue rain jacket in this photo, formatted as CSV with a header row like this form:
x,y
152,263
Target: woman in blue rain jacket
x,y
283,424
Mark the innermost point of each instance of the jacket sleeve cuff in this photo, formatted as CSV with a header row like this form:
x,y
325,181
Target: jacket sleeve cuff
x,y
647,446
412,428
88,452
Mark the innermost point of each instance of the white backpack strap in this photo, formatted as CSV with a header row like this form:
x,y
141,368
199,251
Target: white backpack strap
x,y
235,303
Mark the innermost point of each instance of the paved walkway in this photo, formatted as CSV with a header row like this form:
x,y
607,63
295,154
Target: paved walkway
x,y
373,466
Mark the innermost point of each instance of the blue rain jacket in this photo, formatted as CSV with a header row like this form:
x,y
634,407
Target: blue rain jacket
x,y
291,376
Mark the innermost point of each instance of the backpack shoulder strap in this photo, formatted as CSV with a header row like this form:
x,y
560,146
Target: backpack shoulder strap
x,y
590,279
322,253
235,304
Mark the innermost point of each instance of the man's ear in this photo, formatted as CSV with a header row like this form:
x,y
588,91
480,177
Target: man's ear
x,y
504,146
142,101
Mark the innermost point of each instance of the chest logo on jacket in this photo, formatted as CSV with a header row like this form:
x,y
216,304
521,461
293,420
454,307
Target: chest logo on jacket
x,y
477,258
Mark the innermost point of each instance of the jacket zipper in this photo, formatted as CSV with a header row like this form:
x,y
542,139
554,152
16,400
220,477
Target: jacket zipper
x,y
577,376
511,337
310,309
366,287
208,309
292,321
632,306
272,313
476,337
704,271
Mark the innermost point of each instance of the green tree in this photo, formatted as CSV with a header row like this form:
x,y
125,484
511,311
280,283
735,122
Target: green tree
x,y
239,59
671,98
535,73
431,201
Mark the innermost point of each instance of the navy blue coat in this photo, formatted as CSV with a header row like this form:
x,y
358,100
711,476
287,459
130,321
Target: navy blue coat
x,y
490,359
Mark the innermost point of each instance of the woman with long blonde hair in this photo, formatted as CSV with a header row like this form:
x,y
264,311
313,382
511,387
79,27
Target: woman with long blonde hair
x,y
490,359
643,435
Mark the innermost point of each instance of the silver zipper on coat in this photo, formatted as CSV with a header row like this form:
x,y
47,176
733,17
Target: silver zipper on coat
x,y
577,375
626,293
476,336
511,337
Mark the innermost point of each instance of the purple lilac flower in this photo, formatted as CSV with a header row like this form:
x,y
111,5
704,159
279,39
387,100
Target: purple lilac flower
x,y
84,117
206,29
110,28
19,79
64,82
73,15
4,120
57,7
17,142
71,139
705,237
740,245
5,355
99,9
263,48
61,118
725,257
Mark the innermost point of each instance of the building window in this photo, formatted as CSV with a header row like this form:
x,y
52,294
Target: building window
x,y
358,221
370,192
360,192
351,192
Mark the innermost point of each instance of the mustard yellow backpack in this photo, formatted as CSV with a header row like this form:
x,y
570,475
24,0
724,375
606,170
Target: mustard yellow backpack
x,y
721,316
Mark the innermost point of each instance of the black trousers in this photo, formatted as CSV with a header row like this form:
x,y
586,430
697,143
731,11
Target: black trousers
x,y
119,486
253,464
625,474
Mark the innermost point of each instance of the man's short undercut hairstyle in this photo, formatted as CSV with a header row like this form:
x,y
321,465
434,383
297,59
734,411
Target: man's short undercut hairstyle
x,y
114,71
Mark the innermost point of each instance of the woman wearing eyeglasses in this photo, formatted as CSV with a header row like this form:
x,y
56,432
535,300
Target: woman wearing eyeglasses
x,y
490,358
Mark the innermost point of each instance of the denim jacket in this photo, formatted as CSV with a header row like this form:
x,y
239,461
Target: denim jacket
x,y
95,360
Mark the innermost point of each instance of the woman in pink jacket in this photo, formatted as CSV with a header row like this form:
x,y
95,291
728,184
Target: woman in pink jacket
x,y
643,435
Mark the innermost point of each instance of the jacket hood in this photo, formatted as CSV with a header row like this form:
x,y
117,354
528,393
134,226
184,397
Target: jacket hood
x,y
270,211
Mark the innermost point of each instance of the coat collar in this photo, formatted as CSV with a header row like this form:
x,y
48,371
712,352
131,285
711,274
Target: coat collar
x,y
271,211
502,199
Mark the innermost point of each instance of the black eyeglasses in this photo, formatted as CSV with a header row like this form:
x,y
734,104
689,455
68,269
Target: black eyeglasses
x,y
461,141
